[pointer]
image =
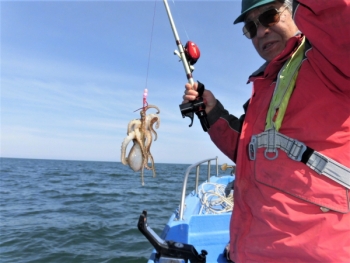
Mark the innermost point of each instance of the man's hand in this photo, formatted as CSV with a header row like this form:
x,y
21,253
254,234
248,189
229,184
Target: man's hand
x,y
191,94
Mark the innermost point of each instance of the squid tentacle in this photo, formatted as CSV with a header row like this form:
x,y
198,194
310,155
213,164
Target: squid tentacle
x,y
125,143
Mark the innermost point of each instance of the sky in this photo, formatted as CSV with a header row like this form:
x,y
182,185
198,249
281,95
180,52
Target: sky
x,y
73,75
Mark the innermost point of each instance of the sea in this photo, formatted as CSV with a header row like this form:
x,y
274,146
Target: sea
x,y
82,211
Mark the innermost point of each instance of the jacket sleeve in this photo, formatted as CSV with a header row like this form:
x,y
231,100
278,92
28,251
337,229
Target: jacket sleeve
x,y
326,24
225,130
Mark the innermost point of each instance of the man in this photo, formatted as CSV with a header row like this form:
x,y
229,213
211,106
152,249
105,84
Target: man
x,y
292,145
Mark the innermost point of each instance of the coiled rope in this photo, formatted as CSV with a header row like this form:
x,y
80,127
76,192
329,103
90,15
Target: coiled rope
x,y
215,201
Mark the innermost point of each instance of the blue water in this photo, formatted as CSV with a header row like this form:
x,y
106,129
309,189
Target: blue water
x,y
78,211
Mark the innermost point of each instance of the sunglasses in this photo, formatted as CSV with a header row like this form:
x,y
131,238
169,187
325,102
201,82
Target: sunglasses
x,y
268,18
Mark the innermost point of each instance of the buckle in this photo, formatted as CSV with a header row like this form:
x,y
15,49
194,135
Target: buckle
x,y
252,148
272,151
318,163
272,136
296,150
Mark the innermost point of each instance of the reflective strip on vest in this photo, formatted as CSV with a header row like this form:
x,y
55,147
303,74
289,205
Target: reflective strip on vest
x,y
298,151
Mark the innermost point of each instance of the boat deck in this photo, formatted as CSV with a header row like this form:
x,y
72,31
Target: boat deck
x,y
208,232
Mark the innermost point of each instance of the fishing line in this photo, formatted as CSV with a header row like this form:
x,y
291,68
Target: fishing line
x,y
150,45
180,20
150,50
185,32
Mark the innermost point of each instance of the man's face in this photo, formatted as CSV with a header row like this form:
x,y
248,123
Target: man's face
x,y
270,42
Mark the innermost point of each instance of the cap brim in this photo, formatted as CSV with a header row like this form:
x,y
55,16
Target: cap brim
x,y
242,16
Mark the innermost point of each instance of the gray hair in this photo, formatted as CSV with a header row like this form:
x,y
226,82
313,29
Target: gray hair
x,y
288,4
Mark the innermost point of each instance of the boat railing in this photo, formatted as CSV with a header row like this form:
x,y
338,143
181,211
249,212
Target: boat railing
x,y
184,187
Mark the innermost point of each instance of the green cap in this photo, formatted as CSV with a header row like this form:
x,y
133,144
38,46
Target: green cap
x,y
248,5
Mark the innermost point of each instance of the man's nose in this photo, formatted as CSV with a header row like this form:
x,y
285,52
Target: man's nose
x,y
262,31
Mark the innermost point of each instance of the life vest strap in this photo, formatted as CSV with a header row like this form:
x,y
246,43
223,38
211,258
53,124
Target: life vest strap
x,y
298,151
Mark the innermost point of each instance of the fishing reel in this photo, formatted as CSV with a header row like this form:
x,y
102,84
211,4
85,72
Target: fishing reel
x,y
192,54
169,251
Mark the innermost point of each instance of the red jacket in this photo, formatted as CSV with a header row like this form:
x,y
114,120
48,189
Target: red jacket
x,y
283,210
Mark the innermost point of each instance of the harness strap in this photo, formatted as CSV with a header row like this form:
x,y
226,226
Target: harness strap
x,y
298,151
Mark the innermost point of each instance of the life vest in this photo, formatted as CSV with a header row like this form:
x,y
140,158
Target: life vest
x,y
272,140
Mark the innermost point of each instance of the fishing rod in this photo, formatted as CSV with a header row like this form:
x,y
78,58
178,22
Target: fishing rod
x,y
189,54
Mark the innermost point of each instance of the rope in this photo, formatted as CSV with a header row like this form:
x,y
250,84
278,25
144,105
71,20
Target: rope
x,y
214,201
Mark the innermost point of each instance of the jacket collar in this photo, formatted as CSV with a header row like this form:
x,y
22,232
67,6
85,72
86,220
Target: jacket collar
x,y
269,70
